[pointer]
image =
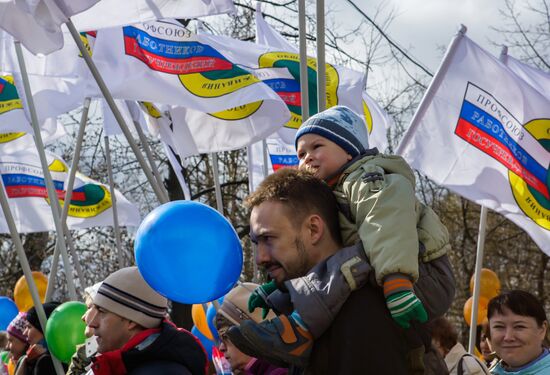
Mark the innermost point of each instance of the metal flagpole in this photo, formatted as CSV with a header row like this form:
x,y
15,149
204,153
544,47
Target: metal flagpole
x,y
432,88
54,201
113,202
265,156
26,267
64,214
110,101
321,67
303,59
477,277
149,155
250,166
217,187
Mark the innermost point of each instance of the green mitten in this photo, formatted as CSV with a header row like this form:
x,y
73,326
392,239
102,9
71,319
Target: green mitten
x,y
258,298
405,307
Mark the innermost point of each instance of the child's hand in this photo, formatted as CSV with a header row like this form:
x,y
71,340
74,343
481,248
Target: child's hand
x,y
405,307
258,298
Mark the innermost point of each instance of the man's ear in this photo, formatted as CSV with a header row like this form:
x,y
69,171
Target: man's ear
x,y
316,227
133,326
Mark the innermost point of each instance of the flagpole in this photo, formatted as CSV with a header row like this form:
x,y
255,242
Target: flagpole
x,y
64,214
250,166
265,155
54,200
110,101
151,159
303,59
477,278
113,202
24,262
217,187
432,88
321,67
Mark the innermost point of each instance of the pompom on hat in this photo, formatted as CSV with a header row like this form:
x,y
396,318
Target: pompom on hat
x,y
340,125
128,295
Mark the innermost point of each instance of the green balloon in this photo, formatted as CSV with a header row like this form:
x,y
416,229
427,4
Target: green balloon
x,y
4,357
65,330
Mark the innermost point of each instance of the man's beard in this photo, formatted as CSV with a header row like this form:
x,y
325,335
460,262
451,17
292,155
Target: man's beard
x,y
303,264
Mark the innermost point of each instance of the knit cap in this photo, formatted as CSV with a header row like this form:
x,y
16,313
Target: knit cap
x,y
235,305
128,295
17,326
32,315
340,125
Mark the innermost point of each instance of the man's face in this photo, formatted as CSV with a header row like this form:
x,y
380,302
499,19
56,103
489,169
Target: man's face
x,y
16,347
280,242
87,317
111,330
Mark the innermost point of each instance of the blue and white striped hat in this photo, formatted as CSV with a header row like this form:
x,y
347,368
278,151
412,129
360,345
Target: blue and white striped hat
x,y
128,295
340,125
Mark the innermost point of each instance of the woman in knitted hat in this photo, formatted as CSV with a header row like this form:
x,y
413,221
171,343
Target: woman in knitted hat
x,y
38,360
17,341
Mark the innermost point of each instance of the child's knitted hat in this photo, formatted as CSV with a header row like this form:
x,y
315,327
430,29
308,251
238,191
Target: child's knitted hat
x,y
340,125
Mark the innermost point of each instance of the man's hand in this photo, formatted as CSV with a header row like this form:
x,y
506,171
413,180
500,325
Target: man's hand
x,y
405,307
258,298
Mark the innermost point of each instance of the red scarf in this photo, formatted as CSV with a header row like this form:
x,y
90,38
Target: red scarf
x,y
111,363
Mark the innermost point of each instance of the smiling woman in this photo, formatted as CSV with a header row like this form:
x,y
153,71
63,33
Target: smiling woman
x,y
517,328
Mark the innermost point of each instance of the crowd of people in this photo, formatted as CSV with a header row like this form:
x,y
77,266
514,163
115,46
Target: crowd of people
x,y
360,284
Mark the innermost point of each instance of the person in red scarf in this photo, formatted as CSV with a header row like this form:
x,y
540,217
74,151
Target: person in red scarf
x,y
133,336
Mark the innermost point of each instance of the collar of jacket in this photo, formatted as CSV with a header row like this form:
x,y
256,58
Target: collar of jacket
x,y
111,363
333,179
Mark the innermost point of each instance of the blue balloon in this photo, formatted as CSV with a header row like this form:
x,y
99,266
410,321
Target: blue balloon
x,y
188,252
211,319
205,341
8,311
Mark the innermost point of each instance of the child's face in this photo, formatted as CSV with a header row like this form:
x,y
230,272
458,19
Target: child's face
x,y
324,157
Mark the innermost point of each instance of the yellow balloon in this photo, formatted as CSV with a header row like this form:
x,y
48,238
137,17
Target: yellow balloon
x,y
481,311
489,284
199,319
11,367
22,294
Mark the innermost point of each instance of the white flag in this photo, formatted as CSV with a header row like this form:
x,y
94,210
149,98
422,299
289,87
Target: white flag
x,y
378,122
163,62
343,86
535,77
279,155
37,23
50,130
482,132
111,13
58,81
91,203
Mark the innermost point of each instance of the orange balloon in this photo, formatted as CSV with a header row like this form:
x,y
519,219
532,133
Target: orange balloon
x,y
489,284
11,367
22,294
481,311
199,318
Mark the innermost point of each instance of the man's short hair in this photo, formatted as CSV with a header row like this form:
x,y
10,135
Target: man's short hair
x,y
128,295
303,194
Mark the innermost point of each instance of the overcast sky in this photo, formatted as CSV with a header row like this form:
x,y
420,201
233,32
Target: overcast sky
x,y
424,25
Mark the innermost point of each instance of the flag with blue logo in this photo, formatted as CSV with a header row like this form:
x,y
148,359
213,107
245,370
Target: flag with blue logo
x,y
484,133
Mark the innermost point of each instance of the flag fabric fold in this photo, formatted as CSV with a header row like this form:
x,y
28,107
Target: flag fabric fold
x,y
483,132
91,202
112,13
537,78
37,23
